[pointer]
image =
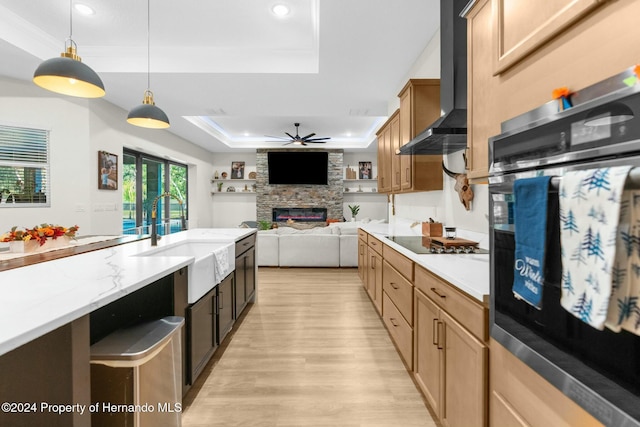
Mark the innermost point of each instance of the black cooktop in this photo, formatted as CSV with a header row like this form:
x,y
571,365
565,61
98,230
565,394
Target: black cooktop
x,y
421,245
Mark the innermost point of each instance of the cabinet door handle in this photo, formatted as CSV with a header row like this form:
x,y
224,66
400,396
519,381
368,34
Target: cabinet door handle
x,y
391,320
406,173
211,310
434,330
373,262
221,305
440,345
438,293
394,286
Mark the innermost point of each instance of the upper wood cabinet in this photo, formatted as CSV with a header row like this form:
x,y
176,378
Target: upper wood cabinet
x,y
419,107
481,85
523,27
385,155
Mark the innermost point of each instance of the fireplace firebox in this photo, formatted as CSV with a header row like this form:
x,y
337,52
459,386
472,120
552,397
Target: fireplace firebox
x,y
299,214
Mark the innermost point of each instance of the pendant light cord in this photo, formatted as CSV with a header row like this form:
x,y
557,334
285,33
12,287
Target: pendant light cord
x,y
70,19
148,45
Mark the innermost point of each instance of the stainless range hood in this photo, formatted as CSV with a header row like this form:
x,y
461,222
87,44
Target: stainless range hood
x,y
448,134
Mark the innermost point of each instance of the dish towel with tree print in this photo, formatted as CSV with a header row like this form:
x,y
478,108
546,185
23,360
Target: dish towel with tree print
x,y
589,215
624,308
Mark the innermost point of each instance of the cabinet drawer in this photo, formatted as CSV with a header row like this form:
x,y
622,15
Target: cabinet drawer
x,y
399,329
375,244
471,314
400,290
398,261
245,244
362,235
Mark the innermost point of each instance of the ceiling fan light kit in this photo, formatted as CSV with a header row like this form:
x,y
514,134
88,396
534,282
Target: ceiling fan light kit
x,y
67,74
301,140
148,115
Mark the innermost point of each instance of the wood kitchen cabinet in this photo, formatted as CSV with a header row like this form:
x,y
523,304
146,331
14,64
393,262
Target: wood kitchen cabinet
x,y
450,360
374,278
202,325
225,307
397,307
386,154
363,255
245,275
419,108
520,397
481,96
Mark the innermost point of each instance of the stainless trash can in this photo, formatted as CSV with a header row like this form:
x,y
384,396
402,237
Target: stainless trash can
x,y
136,376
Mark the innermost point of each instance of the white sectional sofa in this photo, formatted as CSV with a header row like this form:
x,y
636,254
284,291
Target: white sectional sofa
x,y
333,246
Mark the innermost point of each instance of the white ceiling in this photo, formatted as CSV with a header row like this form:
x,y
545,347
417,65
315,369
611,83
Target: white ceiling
x,y
229,72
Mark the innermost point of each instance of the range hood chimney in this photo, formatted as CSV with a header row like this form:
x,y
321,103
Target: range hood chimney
x,y
448,134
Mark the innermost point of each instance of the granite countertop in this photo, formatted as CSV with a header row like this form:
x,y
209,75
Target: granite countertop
x,y
468,272
39,298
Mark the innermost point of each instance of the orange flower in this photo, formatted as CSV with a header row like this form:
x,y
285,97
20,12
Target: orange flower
x,y
561,92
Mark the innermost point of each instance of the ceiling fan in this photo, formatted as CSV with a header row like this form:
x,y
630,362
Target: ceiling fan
x,y
301,140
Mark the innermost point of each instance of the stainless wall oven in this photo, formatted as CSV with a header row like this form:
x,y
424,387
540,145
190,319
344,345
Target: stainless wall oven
x,y
599,370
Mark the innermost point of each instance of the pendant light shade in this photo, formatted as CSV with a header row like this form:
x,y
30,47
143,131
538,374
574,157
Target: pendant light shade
x,y
67,74
147,115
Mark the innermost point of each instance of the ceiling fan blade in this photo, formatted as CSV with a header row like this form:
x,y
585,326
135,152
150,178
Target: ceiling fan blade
x,y
292,142
277,137
318,139
308,136
315,141
290,136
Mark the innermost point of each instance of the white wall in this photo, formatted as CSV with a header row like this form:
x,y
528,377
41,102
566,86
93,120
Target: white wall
x,y
440,205
79,129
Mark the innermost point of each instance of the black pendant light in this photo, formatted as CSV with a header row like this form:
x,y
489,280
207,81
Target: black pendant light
x,y
147,115
67,74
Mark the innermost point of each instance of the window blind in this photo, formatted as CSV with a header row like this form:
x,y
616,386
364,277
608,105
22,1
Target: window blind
x,y
24,167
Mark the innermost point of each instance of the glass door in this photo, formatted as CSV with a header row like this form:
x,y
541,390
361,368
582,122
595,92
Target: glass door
x,y
145,178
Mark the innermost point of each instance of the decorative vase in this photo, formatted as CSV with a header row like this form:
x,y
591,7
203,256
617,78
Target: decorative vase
x,y
17,246
22,246
50,244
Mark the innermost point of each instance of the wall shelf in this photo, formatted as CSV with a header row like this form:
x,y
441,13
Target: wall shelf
x,y
232,192
232,180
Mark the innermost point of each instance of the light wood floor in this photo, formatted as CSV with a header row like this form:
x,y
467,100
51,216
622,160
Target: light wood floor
x,y
311,352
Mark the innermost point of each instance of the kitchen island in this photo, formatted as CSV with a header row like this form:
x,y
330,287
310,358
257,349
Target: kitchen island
x,y
46,310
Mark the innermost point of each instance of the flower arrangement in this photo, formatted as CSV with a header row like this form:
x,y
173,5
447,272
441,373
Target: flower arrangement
x,y
39,233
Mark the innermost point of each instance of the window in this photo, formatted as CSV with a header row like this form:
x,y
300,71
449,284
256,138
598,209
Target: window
x,y
24,167
144,179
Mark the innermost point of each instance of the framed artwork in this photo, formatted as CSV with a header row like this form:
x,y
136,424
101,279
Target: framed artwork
x,y
237,170
365,170
107,171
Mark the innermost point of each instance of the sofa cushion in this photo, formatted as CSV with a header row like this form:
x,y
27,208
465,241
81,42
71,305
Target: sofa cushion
x,y
316,230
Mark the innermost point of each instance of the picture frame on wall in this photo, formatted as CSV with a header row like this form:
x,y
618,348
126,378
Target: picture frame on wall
x,y
365,170
107,171
237,170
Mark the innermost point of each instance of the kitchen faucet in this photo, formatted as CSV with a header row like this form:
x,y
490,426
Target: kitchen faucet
x,y
154,232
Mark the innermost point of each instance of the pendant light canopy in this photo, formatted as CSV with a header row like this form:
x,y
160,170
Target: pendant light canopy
x,y
148,115
67,74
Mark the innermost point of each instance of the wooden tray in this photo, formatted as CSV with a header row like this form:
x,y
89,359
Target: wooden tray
x,y
448,243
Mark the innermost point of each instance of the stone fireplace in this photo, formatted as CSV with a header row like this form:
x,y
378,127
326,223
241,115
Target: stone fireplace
x,y
303,197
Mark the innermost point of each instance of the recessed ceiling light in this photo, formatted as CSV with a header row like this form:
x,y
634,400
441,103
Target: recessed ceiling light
x,y
84,9
280,10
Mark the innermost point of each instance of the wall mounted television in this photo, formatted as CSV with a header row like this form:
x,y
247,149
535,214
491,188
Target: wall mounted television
x,y
298,167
